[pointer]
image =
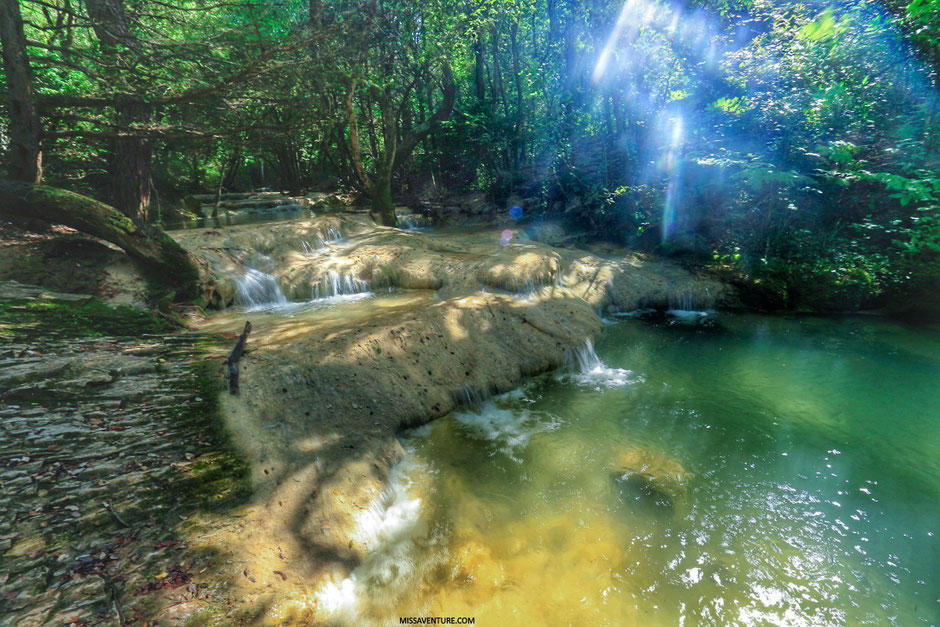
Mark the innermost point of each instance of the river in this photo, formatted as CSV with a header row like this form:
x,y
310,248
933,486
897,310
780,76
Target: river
x,y
732,469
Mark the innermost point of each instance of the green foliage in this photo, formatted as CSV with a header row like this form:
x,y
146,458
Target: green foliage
x,y
794,142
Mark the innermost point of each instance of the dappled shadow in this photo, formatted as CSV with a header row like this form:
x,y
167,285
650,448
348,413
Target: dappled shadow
x,y
337,397
113,451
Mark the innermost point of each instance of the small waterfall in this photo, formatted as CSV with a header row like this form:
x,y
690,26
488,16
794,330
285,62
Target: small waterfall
x,y
470,397
691,301
529,289
393,532
412,222
682,302
688,309
258,290
331,235
585,358
591,371
335,284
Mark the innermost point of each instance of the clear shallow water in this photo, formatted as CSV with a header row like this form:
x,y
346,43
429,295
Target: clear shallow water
x,y
810,486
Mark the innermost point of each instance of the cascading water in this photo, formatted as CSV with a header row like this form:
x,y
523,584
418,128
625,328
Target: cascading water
x,y
392,529
331,235
529,289
688,309
258,290
334,284
591,371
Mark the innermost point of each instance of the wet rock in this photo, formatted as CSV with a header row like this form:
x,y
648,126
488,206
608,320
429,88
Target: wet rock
x,y
655,472
219,292
476,565
328,203
547,233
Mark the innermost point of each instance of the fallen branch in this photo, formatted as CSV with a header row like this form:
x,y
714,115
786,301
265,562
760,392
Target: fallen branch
x,y
233,360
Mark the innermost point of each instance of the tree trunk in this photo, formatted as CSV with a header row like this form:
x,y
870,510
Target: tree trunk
x,y
520,150
479,80
130,166
383,205
499,88
163,259
131,154
25,153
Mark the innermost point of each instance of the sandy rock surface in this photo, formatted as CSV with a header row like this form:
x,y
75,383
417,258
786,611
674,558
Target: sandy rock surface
x,y
323,398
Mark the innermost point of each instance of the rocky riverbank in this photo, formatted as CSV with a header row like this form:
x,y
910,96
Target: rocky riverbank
x,y
323,400
415,324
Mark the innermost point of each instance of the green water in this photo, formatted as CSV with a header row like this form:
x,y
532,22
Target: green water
x,y
809,448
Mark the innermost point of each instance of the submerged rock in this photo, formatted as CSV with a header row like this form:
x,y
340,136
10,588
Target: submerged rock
x,y
476,565
654,472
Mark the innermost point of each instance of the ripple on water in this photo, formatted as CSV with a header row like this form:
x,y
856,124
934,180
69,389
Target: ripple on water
x,y
807,505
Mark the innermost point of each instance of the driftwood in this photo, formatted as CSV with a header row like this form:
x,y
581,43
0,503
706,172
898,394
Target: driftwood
x,y
233,360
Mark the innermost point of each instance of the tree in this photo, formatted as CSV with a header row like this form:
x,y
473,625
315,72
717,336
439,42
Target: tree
x,y
25,152
396,143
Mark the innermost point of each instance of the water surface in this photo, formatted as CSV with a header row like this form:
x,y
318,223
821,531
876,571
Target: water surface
x,y
807,452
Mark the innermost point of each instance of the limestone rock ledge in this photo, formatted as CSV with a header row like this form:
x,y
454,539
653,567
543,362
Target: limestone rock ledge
x,y
321,404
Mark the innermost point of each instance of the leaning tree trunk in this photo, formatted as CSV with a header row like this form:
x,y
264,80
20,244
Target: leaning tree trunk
x,y
162,258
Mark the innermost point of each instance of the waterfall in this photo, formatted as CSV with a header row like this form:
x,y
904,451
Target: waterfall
x,y
331,235
335,284
589,370
691,301
585,358
258,290
393,532
412,221
688,309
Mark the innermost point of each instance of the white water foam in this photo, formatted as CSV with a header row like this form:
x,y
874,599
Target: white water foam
x,y
258,290
687,316
510,429
396,537
589,370
412,222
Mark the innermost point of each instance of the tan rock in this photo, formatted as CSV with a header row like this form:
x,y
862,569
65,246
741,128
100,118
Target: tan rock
x,y
656,471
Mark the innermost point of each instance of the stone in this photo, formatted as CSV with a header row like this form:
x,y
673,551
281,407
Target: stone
x,y
547,233
476,563
328,204
655,472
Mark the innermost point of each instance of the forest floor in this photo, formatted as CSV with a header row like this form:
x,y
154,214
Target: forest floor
x,y
324,398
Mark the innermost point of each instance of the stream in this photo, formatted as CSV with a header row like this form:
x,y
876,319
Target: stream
x,y
719,469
